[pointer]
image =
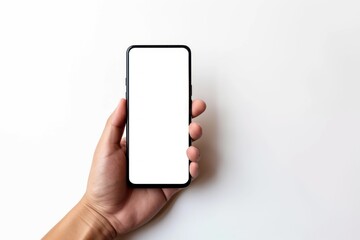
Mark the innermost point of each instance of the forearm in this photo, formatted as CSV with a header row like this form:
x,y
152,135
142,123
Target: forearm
x,y
82,222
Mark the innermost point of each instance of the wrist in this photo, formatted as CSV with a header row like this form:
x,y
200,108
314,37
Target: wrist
x,y
95,221
82,222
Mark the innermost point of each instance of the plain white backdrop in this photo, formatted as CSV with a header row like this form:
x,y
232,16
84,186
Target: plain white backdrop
x,y
280,150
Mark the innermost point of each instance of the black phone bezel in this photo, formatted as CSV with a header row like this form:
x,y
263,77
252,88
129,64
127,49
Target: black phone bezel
x,y
127,82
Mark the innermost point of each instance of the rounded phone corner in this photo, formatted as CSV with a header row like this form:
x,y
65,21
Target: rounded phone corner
x,y
187,48
129,183
129,48
187,183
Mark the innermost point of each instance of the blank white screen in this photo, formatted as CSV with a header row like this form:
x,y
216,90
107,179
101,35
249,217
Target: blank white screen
x,y
158,95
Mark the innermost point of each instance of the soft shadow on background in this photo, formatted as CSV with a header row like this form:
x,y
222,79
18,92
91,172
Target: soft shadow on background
x,y
208,163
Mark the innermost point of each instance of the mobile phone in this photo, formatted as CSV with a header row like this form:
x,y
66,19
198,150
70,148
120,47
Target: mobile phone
x,y
158,93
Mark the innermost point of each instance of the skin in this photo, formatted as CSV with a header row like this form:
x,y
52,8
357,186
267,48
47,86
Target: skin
x,y
110,208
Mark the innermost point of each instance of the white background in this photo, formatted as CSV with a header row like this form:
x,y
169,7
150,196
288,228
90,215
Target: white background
x,y
280,150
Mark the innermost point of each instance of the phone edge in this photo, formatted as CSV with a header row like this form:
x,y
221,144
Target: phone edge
x,y
135,185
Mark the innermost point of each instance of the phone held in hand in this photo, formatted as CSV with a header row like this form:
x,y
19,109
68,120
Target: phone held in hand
x,y
158,93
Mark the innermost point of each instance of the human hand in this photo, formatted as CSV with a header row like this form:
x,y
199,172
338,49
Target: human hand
x,y
108,194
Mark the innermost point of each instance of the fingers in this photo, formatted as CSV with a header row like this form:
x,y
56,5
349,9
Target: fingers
x,y
193,154
198,107
115,125
123,144
194,170
195,131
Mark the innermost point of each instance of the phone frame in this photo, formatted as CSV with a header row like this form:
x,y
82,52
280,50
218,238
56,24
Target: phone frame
x,y
127,82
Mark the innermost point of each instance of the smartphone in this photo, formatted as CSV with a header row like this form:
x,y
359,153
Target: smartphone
x,y
158,93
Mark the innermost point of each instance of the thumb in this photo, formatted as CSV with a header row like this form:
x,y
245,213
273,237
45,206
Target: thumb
x,y
115,124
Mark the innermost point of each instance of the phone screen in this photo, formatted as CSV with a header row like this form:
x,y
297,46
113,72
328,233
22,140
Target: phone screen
x,y
158,115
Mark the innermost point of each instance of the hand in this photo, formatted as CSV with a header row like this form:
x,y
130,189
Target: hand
x,y
107,192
